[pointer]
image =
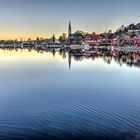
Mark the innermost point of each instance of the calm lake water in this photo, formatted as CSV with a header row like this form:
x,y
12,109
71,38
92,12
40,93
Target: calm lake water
x,y
54,96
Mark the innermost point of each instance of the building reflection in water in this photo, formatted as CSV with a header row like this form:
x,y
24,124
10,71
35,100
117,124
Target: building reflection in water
x,y
130,59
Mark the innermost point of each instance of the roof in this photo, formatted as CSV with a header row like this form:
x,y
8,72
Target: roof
x,y
93,35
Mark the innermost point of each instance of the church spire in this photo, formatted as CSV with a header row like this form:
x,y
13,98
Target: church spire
x,y
69,29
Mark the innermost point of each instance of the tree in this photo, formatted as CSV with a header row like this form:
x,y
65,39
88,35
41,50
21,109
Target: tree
x,y
132,26
64,36
122,27
41,38
16,40
109,31
53,38
29,39
80,32
37,39
60,39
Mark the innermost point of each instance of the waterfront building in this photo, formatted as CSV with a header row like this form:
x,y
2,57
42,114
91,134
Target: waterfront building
x,y
91,39
25,44
53,43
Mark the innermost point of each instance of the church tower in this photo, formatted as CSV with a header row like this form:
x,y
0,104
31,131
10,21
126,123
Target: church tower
x,y
69,29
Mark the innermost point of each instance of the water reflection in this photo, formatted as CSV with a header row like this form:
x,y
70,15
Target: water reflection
x,y
130,59
41,98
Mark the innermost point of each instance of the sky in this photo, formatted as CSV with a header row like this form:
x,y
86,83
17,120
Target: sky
x,y
43,18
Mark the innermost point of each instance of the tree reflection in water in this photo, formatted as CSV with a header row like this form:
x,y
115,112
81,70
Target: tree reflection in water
x,y
130,59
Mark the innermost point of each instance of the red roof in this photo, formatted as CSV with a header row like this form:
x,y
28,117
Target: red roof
x,y
93,35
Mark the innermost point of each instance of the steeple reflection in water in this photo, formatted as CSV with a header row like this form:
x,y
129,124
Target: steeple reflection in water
x,y
130,59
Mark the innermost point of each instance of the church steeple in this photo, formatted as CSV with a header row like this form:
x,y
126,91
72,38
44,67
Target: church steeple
x,y
69,29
